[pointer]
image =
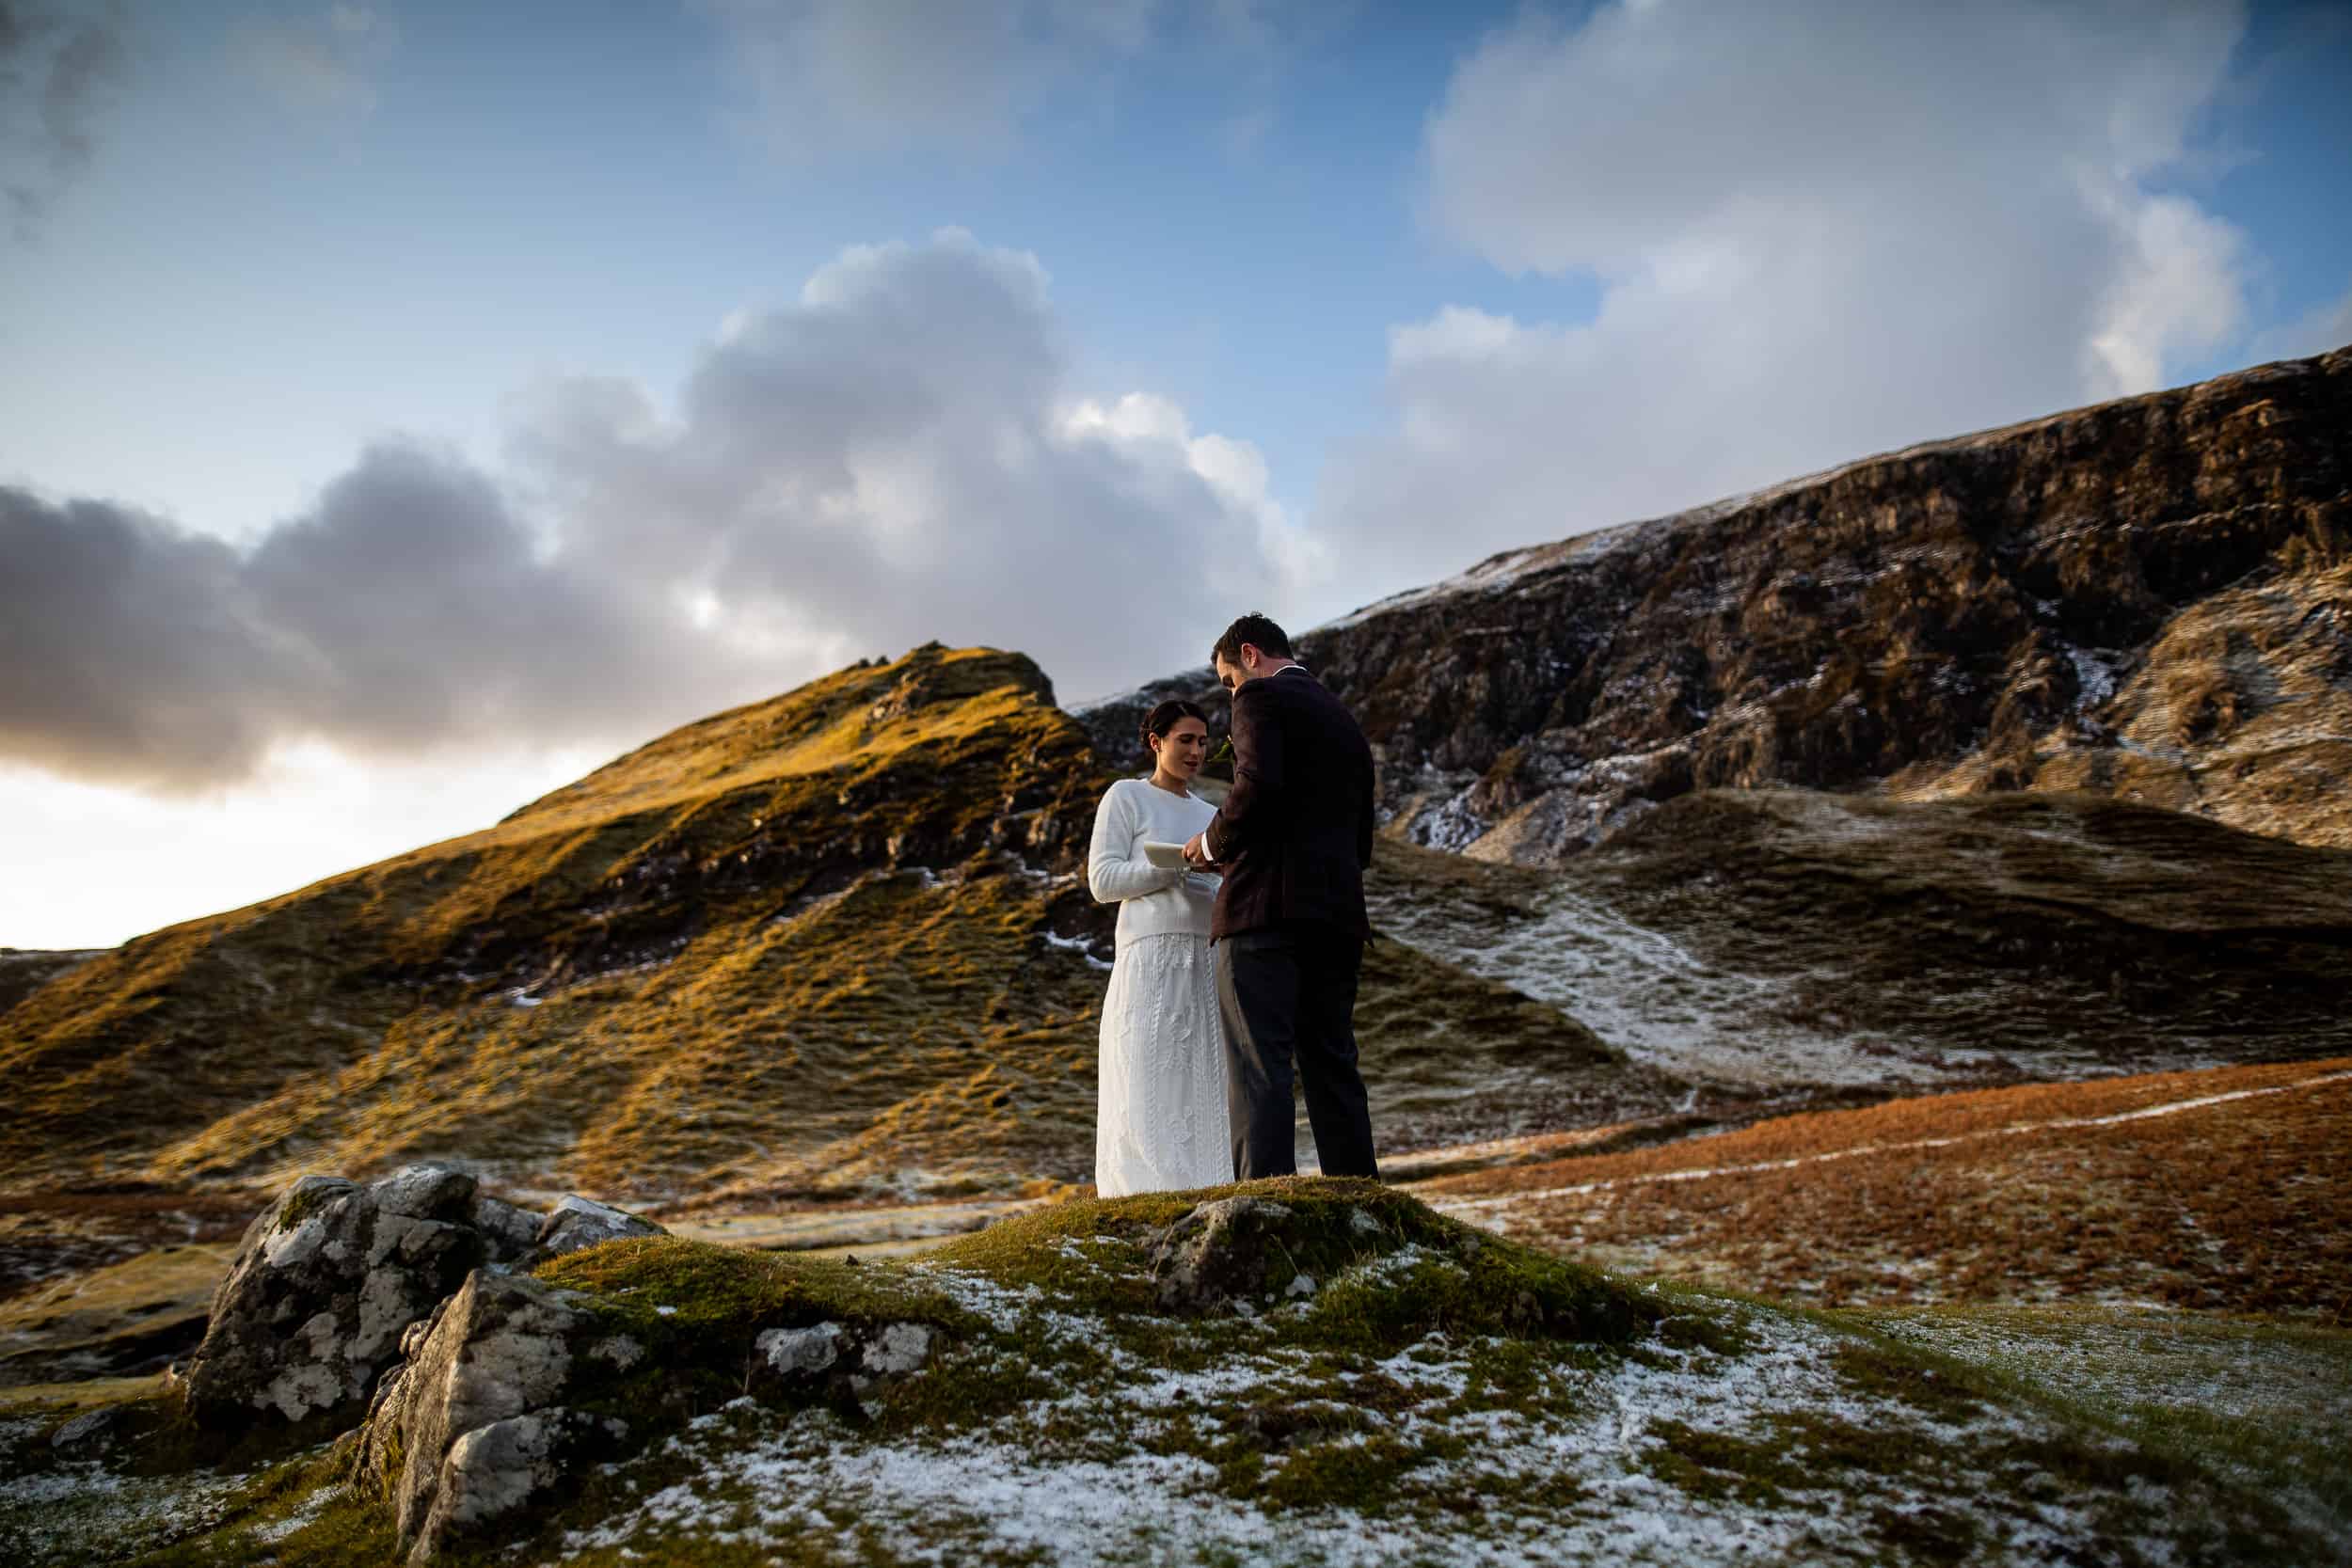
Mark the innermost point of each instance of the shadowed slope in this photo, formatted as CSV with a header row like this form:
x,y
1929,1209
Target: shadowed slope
x,y
1772,943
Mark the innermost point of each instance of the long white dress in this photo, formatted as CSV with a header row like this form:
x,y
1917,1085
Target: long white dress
x,y
1160,1123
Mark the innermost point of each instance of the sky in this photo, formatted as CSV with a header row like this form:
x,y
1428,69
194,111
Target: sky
x,y
406,407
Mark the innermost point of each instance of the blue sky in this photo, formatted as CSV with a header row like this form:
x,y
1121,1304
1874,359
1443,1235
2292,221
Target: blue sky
x,y
735,339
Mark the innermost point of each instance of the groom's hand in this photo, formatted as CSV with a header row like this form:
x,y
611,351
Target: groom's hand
x,y
1197,850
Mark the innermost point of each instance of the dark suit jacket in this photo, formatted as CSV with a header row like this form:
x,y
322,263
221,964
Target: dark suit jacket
x,y
1294,835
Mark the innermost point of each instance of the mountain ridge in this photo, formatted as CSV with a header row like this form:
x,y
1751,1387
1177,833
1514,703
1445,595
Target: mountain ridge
x,y
2149,598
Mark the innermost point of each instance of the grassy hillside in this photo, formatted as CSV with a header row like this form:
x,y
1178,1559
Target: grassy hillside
x,y
649,975
834,946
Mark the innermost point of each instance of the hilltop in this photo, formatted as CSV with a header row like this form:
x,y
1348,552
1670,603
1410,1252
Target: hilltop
x,y
834,945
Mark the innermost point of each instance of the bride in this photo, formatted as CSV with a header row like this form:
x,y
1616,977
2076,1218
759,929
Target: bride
x,y
1160,1125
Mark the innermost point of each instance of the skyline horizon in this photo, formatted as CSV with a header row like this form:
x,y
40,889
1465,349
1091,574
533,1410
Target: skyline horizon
x,y
403,404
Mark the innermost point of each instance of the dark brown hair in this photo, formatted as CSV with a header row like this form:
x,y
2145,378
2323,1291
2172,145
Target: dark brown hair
x,y
1163,718
1256,630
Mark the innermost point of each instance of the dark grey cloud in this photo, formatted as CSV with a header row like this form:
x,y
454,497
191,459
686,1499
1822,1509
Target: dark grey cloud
x,y
897,457
57,69
407,611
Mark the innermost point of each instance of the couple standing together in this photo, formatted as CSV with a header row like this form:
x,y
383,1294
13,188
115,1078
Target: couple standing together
x,y
1240,959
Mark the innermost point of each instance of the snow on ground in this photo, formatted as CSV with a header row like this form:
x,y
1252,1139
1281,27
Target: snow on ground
x,y
2155,1366
1568,1474
53,1513
1649,996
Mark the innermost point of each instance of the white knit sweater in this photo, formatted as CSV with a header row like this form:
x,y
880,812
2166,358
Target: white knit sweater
x,y
1151,901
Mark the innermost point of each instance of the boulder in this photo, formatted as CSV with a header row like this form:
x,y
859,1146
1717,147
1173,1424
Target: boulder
x,y
576,1223
474,1429
331,1276
509,1387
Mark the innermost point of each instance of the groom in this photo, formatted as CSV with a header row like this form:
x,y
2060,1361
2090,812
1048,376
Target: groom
x,y
1292,838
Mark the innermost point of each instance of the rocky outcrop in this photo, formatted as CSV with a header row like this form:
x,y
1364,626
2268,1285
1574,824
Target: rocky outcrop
x,y
332,1275
578,1222
2151,597
1220,1253
473,1428
514,1383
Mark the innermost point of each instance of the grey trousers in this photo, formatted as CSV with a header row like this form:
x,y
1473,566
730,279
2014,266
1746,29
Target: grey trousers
x,y
1287,996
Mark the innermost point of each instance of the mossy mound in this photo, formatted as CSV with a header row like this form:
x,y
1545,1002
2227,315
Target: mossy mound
x,y
1367,1266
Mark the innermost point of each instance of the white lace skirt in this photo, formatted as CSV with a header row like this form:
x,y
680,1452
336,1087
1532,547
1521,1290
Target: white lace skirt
x,y
1160,1125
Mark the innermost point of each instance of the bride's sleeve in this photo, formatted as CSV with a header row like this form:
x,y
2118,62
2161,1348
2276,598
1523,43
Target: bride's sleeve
x,y
1111,876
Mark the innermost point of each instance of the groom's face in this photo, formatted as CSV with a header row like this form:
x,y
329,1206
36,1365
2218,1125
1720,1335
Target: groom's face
x,y
1231,675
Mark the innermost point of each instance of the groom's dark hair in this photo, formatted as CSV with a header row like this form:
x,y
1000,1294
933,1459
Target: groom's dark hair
x,y
1256,630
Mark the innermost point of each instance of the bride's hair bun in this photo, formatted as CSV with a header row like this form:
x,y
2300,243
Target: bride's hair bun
x,y
1163,718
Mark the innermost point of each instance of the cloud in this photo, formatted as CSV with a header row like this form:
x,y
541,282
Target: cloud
x,y
321,61
867,75
57,69
2318,330
1819,228
408,609
898,455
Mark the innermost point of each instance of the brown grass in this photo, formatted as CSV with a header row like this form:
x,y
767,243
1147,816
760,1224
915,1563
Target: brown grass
x,y
2243,1206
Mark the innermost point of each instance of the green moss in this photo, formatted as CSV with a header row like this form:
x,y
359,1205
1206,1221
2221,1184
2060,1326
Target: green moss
x,y
1926,1535
1088,1253
1487,1287
1359,1473
1716,1465
707,1286
337,1530
1935,1386
961,1391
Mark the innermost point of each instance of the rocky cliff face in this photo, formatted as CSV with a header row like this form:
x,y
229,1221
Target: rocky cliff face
x,y
2150,598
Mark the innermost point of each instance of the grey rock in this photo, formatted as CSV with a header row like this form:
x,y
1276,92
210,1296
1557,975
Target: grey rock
x,y
790,1351
475,1427
329,1288
896,1349
1218,1254
512,1229
576,1223
89,1434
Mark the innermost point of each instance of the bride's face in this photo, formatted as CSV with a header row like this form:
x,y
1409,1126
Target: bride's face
x,y
1183,748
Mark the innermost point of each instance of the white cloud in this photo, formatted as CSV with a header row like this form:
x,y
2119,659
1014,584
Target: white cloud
x,y
322,60
900,455
2322,328
1820,229
862,75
